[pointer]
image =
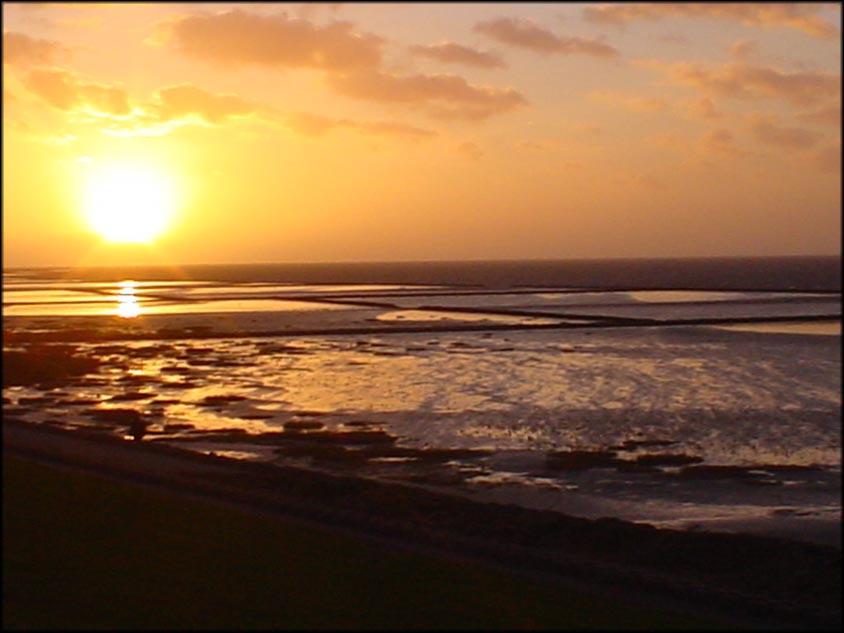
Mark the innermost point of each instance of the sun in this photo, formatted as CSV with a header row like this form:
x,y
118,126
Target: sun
x,y
127,202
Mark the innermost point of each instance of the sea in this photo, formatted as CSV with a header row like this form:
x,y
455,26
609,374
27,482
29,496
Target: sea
x,y
695,394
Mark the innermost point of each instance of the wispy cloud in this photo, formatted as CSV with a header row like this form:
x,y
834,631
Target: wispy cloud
x,y
20,49
316,125
188,101
742,50
179,104
542,145
451,53
827,159
65,91
441,96
470,150
750,82
768,130
720,141
171,107
827,114
702,108
526,34
239,38
350,61
796,15
630,102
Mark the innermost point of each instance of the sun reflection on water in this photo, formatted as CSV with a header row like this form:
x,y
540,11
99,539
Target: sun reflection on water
x,y
127,303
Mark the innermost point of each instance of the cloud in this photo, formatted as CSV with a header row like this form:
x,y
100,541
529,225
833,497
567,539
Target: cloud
x,y
184,104
171,106
239,38
310,124
537,146
86,22
20,49
828,159
441,96
526,34
349,60
64,91
743,49
588,128
451,53
767,130
702,108
470,150
720,141
637,104
673,38
186,100
317,125
571,165
387,128
647,181
310,10
801,16
750,82
828,114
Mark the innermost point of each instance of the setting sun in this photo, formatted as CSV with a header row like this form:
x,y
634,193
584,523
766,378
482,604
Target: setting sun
x,y
128,202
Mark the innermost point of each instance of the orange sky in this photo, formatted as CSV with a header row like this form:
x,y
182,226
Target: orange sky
x,y
377,132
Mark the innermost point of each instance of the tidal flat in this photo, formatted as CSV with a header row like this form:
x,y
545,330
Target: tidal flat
x,y
646,406
647,416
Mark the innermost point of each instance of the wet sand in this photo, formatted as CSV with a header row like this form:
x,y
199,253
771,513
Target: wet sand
x,y
266,400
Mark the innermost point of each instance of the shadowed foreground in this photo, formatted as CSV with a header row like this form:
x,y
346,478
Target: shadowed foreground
x,y
326,550
81,551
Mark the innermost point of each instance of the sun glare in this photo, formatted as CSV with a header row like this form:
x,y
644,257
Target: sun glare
x,y
127,302
128,202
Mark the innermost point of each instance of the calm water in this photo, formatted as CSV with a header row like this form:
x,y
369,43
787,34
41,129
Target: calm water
x,y
759,273
381,370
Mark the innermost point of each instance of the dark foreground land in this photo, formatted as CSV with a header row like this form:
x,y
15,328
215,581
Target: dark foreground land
x,y
103,533
112,555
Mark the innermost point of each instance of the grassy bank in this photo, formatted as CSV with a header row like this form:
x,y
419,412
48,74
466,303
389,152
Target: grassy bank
x,y
80,551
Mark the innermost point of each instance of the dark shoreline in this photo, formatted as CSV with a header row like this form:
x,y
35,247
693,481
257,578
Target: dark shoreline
x,y
94,334
776,582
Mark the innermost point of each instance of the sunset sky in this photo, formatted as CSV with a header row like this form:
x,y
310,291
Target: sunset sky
x,y
259,132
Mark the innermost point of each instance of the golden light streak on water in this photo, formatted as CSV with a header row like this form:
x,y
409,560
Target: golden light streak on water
x,y
127,303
